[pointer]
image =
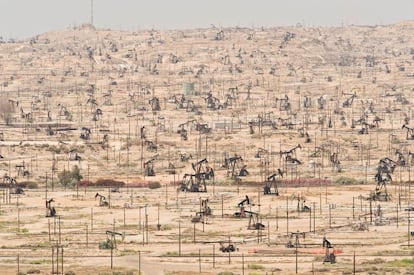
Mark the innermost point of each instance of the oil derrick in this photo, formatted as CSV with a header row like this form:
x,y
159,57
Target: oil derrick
x,y
50,209
110,242
329,251
271,181
102,200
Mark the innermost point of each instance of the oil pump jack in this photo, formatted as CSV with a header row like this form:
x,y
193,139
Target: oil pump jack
x,y
301,205
329,251
155,104
14,187
229,248
50,209
348,102
149,166
242,209
254,223
184,127
197,182
271,180
410,132
385,168
232,163
110,242
102,200
290,155
205,210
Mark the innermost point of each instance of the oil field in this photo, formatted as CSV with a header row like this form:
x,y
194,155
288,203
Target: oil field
x,y
208,151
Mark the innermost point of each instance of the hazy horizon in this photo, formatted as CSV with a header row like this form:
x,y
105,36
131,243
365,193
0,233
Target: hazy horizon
x,y
23,19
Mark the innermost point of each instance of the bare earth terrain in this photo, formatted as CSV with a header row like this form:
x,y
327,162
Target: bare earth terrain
x,y
264,141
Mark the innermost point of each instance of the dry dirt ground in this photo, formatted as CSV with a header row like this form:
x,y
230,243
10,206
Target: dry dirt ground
x,y
248,96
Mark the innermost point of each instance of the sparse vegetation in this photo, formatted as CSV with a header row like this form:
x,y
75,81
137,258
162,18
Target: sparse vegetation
x,y
402,263
154,185
70,178
56,125
255,266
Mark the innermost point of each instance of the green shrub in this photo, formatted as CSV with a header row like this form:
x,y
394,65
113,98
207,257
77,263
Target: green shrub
x,y
70,178
154,185
33,271
255,266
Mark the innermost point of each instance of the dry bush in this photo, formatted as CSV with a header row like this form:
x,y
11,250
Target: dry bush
x,y
109,183
86,183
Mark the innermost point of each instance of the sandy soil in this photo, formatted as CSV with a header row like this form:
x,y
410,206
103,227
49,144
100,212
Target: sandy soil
x,y
342,94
